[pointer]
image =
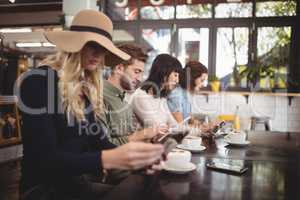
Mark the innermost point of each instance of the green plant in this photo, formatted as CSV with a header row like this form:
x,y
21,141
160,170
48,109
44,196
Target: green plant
x,y
255,73
212,78
236,75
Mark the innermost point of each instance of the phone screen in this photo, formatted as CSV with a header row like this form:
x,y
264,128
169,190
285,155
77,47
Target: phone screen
x,y
161,138
167,141
215,130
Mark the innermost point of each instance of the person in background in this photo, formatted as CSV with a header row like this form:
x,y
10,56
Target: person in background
x,y
9,127
192,79
125,77
149,101
62,131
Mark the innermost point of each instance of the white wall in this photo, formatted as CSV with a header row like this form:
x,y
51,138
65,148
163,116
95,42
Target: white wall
x,y
283,117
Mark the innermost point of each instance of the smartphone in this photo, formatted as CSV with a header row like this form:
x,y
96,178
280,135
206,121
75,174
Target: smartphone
x,y
179,135
161,138
217,128
166,140
225,167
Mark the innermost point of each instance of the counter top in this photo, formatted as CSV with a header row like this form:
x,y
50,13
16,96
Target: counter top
x,y
250,93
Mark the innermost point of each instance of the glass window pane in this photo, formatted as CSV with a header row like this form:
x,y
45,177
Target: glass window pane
x,y
232,51
227,10
193,45
275,8
273,47
194,11
156,41
122,10
165,10
123,36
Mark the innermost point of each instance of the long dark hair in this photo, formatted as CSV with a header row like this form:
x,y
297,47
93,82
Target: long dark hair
x,y
190,73
162,66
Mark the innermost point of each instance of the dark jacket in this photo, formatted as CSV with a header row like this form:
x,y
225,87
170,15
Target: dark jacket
x,y
55,151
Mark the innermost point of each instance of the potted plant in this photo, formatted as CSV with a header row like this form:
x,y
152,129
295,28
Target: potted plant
x,y
237,80
255,73
214,83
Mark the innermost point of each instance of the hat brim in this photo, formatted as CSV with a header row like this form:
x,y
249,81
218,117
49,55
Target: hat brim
x,y
72,41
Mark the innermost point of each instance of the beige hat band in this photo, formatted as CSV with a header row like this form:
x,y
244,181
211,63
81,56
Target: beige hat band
x,y
92,30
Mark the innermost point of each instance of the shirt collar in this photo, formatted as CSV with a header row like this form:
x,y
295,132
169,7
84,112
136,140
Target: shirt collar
x,y
114,90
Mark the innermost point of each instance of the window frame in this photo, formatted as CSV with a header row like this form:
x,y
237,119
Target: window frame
x,y
253,23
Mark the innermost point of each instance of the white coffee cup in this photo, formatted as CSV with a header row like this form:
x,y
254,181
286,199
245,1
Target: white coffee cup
x,y
236,137
178,159
192,141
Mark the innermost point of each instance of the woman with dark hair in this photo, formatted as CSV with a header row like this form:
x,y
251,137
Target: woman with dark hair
x,y
149,101
192,80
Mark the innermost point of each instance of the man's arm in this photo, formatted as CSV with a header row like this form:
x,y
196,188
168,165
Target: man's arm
x,y
111,132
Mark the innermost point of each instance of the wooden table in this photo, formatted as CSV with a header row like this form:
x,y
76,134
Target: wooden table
x,y
273,160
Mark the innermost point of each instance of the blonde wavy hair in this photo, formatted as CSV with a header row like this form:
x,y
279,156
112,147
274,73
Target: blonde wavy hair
x,y
55,61
74,81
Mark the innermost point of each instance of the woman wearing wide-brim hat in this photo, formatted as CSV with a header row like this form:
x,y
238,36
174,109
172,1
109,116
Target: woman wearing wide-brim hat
x,y
61,104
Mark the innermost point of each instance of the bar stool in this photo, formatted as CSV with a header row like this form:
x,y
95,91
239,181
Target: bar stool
x,y
266,121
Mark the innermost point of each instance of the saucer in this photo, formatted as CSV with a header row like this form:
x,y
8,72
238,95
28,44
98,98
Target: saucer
x,y
190,167
191,149
245,143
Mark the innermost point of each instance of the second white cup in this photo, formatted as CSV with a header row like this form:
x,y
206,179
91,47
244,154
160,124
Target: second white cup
x,y
192,141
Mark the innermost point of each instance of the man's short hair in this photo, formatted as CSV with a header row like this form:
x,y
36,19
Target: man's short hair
x,y
135,51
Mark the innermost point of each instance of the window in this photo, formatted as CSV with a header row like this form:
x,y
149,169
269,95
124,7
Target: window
x,y
194,11
275,8
122,10
193,45
156,41
121,35
232,51
163,11
273,49
229,37
228,10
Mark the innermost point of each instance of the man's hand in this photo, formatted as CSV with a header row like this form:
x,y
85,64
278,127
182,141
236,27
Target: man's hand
x,y
148,133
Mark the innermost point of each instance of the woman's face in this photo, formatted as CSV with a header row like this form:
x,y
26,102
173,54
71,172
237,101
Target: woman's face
x,y
92,55
200,82
171,81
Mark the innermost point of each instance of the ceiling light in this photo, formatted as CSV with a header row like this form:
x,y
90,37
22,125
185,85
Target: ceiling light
x,y
233,1
12,1
47,44
15,30
29,44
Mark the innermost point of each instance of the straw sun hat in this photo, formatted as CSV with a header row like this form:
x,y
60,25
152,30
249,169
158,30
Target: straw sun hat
x,y
88,25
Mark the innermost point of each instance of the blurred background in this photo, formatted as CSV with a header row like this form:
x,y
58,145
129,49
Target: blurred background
x,y
257,37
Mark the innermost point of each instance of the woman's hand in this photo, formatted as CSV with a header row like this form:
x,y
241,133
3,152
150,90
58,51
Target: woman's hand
x,y
132,156
148,133
154,168
214,123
